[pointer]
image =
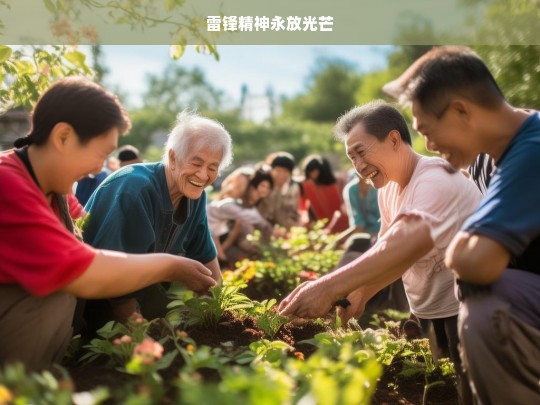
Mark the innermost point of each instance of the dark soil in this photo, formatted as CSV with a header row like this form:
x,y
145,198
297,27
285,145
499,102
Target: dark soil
x,y
243,331
395,389
392,388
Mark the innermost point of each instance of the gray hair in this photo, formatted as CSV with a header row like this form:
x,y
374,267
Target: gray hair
x,y
192,130
378,117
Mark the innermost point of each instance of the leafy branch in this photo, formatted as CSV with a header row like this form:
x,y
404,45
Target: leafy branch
x,y
138,15
28,71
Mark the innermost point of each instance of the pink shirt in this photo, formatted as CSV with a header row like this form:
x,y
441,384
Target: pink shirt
x,y
444,200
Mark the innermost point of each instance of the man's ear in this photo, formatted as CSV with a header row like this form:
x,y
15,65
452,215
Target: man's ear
x,y
395,137
461,108
61,133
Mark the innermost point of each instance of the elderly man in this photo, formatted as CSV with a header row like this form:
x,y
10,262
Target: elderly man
x,y
461,111
159,207
422,205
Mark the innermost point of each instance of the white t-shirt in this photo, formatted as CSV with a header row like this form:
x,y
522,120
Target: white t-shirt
x,y
444,200
220,212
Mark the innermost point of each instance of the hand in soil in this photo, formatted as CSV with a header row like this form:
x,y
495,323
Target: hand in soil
x,y
311,300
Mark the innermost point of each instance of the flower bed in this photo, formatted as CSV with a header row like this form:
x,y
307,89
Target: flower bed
x,y
228,348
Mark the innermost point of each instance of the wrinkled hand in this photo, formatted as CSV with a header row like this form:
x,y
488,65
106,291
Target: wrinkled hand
x,y
194,275
358,304
309,300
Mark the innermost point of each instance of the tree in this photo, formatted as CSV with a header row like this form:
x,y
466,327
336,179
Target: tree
x,y
330,92
69,21
28,71
98,65
517,71
178,88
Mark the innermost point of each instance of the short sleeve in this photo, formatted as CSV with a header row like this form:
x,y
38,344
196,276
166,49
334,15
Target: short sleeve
x,y
509,214
444,200
37,251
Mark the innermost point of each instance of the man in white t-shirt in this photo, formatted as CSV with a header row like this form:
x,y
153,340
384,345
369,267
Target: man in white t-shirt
x,y
423,203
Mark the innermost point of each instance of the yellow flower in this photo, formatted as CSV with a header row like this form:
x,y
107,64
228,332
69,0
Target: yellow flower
x,y
190,348
5,395
249,274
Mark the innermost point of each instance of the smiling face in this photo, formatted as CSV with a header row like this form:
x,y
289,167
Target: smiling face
x,y
371,158
449,135
80,160
255,194
191,175
281,176
263,189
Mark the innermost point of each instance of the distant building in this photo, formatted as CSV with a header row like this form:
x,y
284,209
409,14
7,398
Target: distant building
x,y
13,125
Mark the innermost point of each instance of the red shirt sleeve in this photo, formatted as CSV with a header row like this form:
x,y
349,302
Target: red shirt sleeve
x,y
76,210
36,250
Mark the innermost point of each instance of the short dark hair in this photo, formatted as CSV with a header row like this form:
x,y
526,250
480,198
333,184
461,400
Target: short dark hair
x,y
87,107
258,177
442,72
127,153
378,118
283,159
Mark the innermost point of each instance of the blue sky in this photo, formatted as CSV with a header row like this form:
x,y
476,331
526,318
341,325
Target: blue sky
x,y
284,67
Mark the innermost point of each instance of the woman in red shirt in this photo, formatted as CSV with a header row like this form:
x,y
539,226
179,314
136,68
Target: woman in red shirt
x,y
321,197
44,266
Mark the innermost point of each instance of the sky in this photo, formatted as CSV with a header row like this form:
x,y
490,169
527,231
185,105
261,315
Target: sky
x,y
284,67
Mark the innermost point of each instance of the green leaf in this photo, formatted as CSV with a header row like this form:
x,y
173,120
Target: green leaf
x,y
76,58
177,51
50,6
5,53
169,5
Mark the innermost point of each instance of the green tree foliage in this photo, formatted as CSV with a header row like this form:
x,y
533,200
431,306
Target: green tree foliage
x,y
168,93
69,21
507,22
28,71
177,88
98,65
371,86
253,142
330,92
145,123
25,74
517,71
404,55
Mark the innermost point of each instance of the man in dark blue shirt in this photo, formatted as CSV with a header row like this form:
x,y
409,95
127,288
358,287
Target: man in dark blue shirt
x,y
461,112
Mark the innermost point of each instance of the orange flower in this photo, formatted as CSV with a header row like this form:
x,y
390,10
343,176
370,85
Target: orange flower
x,y
299,355
182,334
190,348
